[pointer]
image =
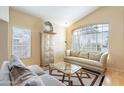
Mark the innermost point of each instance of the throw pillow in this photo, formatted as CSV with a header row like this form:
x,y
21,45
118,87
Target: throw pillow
x,y
74,53
34,81
84,55
18,74
22,76
95,56
14,60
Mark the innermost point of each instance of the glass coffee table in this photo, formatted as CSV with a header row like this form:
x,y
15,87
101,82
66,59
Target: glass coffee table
x,y
68,69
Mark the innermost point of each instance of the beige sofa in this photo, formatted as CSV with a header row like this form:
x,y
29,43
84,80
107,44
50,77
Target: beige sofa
x,y
89,60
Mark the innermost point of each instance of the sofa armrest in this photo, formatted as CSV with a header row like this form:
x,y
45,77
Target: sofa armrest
x,y
67,52
103,59
4,66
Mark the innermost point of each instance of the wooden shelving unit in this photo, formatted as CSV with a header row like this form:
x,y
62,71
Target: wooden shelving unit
x,y
47,48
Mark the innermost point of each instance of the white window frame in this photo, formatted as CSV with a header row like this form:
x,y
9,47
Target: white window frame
x,y
76,43
25,43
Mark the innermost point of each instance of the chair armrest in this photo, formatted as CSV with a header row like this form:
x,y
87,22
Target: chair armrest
x,y
103,59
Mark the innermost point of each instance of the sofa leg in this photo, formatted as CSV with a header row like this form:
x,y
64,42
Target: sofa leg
x,y
63,78
50,70
103,73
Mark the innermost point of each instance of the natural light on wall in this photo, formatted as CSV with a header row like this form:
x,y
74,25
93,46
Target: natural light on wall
x,y
21,42
91,38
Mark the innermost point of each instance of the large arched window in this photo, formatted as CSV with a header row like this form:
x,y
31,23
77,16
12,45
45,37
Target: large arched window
x,y
91,38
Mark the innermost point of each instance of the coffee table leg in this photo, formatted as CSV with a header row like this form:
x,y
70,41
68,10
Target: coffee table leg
x,y
50,70
81,72
69,79
80,79
63,78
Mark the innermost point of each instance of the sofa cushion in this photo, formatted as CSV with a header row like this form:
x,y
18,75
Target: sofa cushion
x,y
50,80
74,53
83,54
84,61
95,56
33,81
36,69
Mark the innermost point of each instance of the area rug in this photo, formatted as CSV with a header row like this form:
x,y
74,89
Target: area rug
x,y
88,78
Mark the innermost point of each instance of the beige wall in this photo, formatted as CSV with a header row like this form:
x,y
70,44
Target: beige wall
x,y
21,19
115,17
59,42
3,41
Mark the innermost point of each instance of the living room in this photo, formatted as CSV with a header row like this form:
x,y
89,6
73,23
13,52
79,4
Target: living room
x,y
33,29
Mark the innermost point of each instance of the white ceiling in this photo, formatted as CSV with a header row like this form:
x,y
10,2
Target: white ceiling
x,y
61,15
